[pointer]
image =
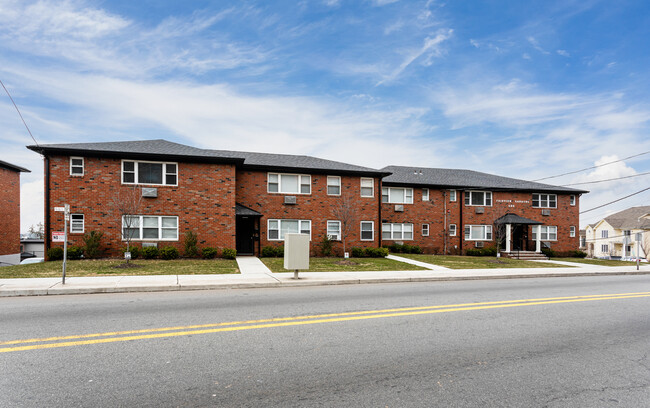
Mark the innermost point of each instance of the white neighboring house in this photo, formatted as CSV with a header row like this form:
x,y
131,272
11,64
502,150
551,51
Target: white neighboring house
x,y
615,236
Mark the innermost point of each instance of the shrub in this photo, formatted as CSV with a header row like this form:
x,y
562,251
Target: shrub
x,y
406,249
92,240
189,245
548,252
357,252
473,252
168,252
376,252
395,248
135,251
75,252
55,254
326,246
415,249
490,251
578,254
209,253
229,253
150,252
273,252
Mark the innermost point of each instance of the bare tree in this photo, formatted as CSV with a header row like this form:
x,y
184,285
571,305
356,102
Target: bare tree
x,y
344,212
645,243
126,203
500,234
38,230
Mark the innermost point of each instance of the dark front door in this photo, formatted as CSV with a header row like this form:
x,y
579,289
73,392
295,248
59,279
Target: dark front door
x,y
245,235
517,238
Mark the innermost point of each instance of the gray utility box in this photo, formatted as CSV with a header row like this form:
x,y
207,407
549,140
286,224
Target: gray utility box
x,y
296,252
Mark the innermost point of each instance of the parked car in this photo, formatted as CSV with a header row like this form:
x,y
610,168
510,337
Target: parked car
x,y
32,261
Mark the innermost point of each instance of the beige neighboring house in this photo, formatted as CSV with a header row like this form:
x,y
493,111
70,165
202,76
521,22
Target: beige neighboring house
x,y
615,236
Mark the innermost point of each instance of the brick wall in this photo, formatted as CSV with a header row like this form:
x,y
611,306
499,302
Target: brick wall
x,y
317,207
10,210
204,202
432,212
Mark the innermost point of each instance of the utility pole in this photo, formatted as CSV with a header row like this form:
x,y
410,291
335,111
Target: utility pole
x,y
66,220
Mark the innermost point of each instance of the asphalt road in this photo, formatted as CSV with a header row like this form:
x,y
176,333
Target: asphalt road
x,y
520,342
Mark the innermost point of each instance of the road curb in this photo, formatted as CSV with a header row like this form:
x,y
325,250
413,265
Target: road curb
x,y
304,281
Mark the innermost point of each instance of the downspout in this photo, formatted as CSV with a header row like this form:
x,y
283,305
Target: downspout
x,y
379,193
444,214
461,229
47,237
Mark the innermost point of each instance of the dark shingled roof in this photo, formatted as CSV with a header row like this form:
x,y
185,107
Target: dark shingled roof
x,y
630,219
13,167
510,218
464,179
242,210
158,148
295,162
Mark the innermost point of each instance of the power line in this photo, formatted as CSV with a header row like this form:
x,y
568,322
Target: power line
x,y
603,181
615,201
19,114
592,167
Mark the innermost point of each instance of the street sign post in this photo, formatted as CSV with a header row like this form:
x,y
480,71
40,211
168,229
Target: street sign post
x,y
638,244
66,219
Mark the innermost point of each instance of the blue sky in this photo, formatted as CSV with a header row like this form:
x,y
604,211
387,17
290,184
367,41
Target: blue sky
x,y
520,89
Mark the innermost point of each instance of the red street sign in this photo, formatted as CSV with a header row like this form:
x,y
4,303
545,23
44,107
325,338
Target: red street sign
x,y
58,236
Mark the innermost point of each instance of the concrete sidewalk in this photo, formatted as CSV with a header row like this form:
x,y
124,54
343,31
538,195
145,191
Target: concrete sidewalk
x,y
120,284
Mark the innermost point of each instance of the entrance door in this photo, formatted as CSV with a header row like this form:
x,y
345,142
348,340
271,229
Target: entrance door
x,y
517,238
245,235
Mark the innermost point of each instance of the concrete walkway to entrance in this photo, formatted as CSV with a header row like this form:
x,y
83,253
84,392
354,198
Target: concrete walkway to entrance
x,y
417,263
251,265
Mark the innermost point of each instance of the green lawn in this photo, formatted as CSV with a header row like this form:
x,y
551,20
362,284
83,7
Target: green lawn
x,y
107,267
478,262
341,265
602,262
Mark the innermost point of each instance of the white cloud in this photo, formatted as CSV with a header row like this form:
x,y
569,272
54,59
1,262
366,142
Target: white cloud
x,y
563,53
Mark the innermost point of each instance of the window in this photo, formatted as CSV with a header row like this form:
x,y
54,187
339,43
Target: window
x,y
583,242
290,183
604,234
425,230
452,195
278,228
544,200
425,194
334,230
367,187
367,231
604,248
478,198
572,231
158,173
76,223
452,230
572,200
396,195
76,166
150,227
549,233
478,232
397,231
333,185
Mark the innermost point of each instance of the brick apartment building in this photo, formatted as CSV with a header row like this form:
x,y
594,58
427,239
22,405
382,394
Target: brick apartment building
x,y
10,213
248,200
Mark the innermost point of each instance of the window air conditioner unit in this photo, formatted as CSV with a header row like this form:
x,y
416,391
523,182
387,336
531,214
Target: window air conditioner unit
x,y
480,210
149,192
290,199
546,212
333,237
478,244
399,207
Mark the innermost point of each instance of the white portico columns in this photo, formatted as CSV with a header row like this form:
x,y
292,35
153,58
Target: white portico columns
x,y
508,234
538,240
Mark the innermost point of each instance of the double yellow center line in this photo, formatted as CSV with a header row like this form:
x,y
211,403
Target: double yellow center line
x,y
129,335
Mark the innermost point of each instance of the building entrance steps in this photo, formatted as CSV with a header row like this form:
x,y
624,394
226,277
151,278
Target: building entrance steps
x,y
251,265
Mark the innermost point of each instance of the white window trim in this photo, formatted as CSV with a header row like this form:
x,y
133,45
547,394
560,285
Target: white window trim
x,y
406,201
372,186
486,229
453,200
427,230
455,230
83,224
572,200
372,224
548,233
279,220
135,173
572,231
333,185
327,229
548,200
300,176
160,228
83,166
604,234
425,197
468,194
391,231
604,248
